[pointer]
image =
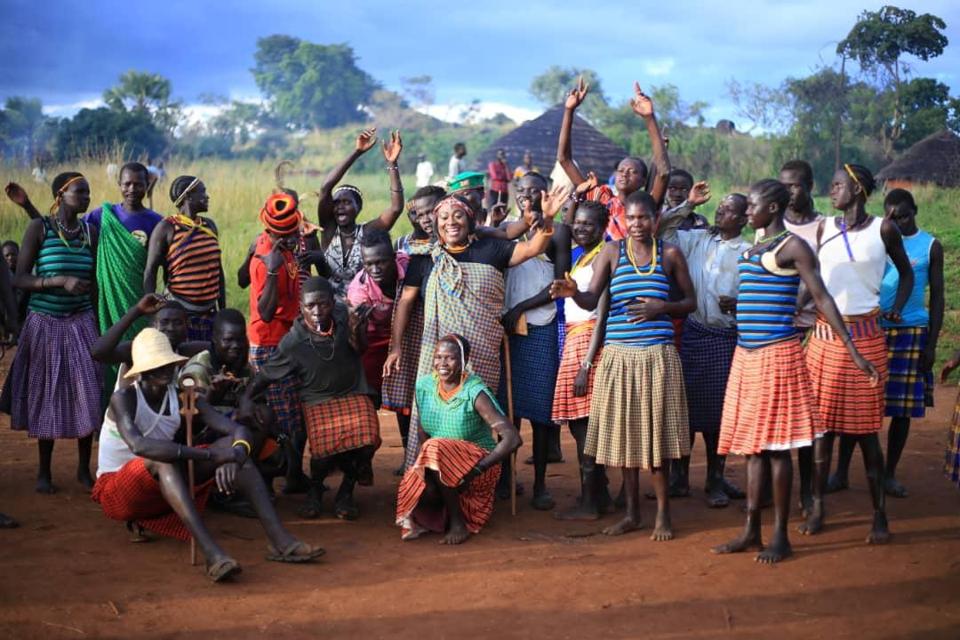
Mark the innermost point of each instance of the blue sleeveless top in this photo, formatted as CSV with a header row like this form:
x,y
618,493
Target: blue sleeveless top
x,y
915,312
766,301
75,258
626,285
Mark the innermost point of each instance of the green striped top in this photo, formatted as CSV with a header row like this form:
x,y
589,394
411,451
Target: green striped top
x,y
58,259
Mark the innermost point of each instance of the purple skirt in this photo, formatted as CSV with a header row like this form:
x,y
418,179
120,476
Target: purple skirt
x,y
54,384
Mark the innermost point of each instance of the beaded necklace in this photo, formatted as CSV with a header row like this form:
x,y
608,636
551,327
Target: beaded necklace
x,y
586,258
633,261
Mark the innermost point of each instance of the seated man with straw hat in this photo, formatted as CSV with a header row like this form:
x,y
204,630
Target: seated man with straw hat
x,y
142,463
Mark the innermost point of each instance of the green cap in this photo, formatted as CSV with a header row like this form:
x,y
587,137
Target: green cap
x,y
466,180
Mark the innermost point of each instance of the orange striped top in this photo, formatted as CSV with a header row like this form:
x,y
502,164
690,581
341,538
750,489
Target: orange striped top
x,y
193,263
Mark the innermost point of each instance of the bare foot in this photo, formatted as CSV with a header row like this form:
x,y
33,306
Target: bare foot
x,y
806,505
578,512
717,498
814,522
894,488
733,491
84,478
543,501
457,534
45,485
662,529
778,549
880,533
837,483
624,526
746,540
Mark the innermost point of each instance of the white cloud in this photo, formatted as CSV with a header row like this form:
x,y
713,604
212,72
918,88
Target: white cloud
x,y
455,112
658,67
70,109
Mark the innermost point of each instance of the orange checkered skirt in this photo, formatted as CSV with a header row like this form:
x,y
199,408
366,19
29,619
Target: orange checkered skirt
x,y
769,403
341,424
846,402
132,494
452,460
566,406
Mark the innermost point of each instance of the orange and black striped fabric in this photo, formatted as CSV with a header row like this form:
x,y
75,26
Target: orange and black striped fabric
x,y
846,402
452,460
341,424
769,403
566,406
193,263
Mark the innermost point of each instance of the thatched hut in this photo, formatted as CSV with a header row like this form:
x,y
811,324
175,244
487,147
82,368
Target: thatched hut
x,y
933,160
592,150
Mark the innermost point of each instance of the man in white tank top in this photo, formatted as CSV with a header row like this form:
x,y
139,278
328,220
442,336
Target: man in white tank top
x,y
142,464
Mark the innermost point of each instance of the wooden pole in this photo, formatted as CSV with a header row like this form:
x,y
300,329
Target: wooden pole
x,y
188,409
513,456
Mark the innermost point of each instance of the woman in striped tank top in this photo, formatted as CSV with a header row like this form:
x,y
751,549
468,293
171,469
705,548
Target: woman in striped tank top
x,y
638,414
186,245
53,389
769,407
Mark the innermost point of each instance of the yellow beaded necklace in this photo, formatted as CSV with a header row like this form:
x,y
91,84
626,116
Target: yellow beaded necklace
x,y
633,262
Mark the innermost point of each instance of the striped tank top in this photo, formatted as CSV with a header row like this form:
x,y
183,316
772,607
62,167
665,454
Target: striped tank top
x,y
627,284
766,299
62,257
193,263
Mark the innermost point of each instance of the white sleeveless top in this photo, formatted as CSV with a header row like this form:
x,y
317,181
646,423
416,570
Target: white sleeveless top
x,y
114,451
526,280
854,284
572,312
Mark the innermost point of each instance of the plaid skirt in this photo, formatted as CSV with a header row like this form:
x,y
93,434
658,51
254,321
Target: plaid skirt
x,y
341,424
398,387
132,494
534,360
951,465
909,391
451,459
769,403
282,397
566,406
846,403
54,385
706,354
638,417
200,326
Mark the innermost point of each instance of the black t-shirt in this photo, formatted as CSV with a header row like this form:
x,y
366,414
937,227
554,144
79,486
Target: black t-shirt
x,y
492,251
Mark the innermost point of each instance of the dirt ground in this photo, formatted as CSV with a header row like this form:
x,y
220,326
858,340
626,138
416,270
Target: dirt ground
x,y
68,572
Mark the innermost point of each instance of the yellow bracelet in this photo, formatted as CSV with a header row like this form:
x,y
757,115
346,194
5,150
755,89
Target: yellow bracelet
x,y
243,443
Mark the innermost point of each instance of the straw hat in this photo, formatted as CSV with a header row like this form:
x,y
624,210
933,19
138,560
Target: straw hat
x,y
151,350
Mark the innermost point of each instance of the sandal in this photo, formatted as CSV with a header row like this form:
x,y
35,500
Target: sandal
x,y
295,553
223,569
346,509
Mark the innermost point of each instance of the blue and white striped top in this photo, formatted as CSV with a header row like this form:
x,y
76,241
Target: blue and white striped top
x,y
626,286
766,299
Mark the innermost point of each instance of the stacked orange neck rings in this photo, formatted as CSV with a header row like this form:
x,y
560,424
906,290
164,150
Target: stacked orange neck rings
x,y
280,215
63,190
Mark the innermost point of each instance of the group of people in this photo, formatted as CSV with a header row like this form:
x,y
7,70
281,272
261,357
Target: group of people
x,y
620,312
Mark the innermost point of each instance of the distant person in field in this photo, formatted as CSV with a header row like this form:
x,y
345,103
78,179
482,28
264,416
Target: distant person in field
x,y
54,386
322,353
632,173
186,246
141,476
498,173
911,341
951,463
341,204
11,327
853,249
679,185
11,253
450,488
526,167
424,171
457,164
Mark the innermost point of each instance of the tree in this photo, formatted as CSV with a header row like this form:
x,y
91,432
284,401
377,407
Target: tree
x,y
551,88
312,85
761,106
24,130
145,93
94,132
878,42
418,90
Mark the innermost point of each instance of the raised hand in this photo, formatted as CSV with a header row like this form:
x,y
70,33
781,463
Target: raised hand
x,y
587,185
565,288
150,304
577,95
641,103
552,202
699,193
366,140
17,194
392,149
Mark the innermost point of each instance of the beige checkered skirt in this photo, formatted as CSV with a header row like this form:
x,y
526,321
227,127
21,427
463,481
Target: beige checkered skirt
x,y
638,415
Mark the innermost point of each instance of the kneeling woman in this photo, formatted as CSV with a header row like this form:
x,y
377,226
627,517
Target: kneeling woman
x,y
451,486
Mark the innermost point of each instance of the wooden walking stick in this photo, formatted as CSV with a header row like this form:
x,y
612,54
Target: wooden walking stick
x,y
513,456
188,409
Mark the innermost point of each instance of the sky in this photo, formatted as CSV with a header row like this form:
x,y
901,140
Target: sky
x,y
486,50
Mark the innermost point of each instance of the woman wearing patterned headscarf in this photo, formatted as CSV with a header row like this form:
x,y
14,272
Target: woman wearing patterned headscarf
x,y
461,281
340,205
